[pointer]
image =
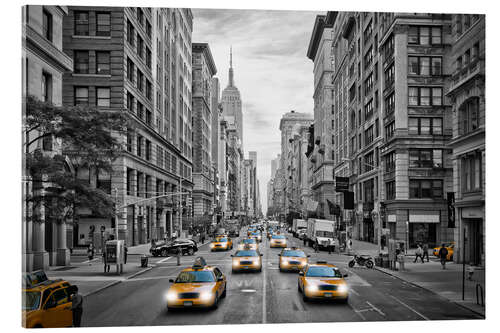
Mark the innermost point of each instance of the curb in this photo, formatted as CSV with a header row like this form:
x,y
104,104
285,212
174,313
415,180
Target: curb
x,y
419,286
118,281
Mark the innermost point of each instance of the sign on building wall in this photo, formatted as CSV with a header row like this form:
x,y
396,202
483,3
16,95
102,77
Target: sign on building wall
x,y
341,184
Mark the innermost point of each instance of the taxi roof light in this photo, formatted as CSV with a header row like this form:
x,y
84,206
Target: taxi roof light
x,y
199,263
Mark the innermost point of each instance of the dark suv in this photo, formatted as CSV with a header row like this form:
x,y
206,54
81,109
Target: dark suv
x,y
187,246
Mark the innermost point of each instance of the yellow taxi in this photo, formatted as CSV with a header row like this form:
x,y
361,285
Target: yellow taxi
x,y
221,243
198,286
278,241
450,247
46,303
251,242
322,281
257,235
247,260
292,258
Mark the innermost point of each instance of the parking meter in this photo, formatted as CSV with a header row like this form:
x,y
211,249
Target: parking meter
x,y
115,254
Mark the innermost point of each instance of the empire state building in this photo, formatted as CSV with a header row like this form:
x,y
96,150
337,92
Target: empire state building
x,y
231,102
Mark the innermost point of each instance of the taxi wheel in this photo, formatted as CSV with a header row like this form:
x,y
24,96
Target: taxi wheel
x,y
190,251
298,287
216,302
304,297
344,301
164,253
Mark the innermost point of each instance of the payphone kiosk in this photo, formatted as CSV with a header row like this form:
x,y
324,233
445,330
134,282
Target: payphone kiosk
x,y
115,254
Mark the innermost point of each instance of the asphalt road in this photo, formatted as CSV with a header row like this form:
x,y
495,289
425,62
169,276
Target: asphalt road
x,y
266,297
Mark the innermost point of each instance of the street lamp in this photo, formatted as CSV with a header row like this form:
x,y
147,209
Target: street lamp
x,y
379,170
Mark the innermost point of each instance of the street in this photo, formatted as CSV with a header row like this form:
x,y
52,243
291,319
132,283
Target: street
x,y
266,297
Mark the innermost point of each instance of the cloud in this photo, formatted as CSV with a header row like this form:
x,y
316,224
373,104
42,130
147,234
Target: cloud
x,y
271,69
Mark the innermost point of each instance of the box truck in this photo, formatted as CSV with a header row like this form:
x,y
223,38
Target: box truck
x,y
298,224
322,231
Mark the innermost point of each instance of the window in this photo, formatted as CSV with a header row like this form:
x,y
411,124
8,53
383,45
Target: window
x,y
140,110
377,129
389,76
140,46
469,116
425,96
81,62
369,109
426,158
81,23
148,29
471,179
140,141
369,135
425,126
103,97
140,16
352,92
130,70
389,130
47,143
368,83
148,150
423,188
424,65
130,140
368,58
140,80
149,117
425,35
103,27
103,63
47,25
130,102
390,190
389,104
130,33
46,87
148,57
149,93
389,47
368,32
130,181
81,95
368,163
390,162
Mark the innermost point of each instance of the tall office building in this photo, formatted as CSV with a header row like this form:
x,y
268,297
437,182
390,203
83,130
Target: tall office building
x,y
231,102
137,61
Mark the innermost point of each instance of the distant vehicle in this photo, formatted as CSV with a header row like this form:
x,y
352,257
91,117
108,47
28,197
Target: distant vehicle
x,y
450,247
278,241
187,246
248,242
320,231
247,259
322,281
292,258
298,225
221,243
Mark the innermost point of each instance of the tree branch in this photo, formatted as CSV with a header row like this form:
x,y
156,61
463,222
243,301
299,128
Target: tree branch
x,y
38,138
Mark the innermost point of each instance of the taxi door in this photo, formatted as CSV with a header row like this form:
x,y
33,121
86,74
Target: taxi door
x,y
219,285
57,310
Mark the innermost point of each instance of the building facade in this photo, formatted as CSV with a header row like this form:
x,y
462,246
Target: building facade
x,y
467,94
137,61
44,63
203,172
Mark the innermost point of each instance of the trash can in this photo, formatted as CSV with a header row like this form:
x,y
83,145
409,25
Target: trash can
x,y
144,260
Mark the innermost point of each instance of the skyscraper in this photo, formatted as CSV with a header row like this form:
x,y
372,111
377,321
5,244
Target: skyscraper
x,y
231,102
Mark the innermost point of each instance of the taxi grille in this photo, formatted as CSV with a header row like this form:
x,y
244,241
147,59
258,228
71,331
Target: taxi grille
x,y
294,262
328,287
246,262
189,295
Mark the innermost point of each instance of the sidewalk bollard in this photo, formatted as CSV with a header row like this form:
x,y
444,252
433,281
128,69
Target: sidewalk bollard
x,y
144,260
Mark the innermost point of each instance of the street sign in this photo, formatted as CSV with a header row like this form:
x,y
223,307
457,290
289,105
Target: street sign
x,y
341,184
348,200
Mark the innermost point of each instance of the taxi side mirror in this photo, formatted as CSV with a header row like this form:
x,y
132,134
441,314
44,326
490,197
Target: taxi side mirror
x,y
301,273
345,275
232,255
279,254
309,256
220,278
171,280
261,255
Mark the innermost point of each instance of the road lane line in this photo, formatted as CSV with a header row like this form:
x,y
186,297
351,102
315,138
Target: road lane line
x,y
410,308
264,310
163,260
375,308
354,291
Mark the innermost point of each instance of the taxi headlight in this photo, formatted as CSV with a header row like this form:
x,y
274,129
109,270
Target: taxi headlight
x,y
212,245
235,263
343,288
171,296
312,288
285,262
205,296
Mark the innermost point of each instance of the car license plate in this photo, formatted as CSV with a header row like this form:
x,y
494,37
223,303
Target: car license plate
x,y
188,303
328,295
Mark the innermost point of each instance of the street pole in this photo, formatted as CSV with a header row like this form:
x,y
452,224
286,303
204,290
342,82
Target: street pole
x,y
116,212
180,206
463,266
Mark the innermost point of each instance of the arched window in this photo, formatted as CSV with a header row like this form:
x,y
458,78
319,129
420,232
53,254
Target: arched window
x,y
469,115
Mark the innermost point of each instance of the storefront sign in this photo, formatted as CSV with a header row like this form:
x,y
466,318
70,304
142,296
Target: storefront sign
x,y
424,218
341,184
391,218
472,212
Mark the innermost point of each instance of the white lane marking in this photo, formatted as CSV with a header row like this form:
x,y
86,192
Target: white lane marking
x,y
353,291
410,308
375,308
358,312
150,278
248,290
164,259
87,261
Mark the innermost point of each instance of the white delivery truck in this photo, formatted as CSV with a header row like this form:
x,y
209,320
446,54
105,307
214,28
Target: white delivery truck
x,y
298,224
321,230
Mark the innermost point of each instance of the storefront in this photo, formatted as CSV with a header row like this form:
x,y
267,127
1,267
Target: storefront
x,y
473,223
422,228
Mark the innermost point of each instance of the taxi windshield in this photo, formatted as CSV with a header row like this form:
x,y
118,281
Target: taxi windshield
x,y
249,241
246,253
221,240
31,300
195,276
293,253
278,237
322,271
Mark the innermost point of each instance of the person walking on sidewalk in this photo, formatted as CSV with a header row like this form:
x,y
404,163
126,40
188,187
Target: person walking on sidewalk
x,y
419,253
316,246
76,307
90,253
443,254
202,238
330,246
425,249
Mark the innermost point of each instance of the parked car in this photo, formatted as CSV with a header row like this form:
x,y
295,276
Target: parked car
x,y
187,246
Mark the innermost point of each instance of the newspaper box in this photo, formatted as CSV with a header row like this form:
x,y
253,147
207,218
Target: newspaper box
x,y
115,254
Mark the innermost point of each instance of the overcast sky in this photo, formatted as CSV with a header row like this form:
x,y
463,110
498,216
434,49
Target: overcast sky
x,y
271,71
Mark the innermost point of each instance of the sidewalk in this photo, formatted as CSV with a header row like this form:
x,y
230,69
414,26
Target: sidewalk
x,y
90,277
